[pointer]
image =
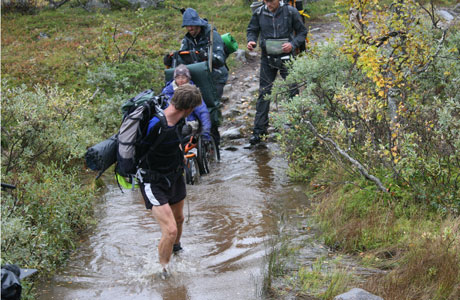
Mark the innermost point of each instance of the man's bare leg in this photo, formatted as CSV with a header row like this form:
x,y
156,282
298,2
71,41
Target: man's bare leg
x,y
178,212
164,216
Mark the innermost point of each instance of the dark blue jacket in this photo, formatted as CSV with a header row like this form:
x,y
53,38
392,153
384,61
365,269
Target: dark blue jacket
x,y
286,22
201,42
200,113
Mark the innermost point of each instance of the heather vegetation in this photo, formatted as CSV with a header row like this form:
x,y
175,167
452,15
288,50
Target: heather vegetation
x,y
377,127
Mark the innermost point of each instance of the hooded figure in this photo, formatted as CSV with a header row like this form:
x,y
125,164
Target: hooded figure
x,y
197,38
191,18
182,70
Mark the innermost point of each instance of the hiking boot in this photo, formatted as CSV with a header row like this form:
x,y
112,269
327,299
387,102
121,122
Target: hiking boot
x,y
255,139
177,248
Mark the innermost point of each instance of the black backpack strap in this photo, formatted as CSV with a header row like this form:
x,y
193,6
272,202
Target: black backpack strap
x,y
160,138
179,126
163,124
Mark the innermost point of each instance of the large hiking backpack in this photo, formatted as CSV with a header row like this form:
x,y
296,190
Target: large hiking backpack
x,y
121,147
137,112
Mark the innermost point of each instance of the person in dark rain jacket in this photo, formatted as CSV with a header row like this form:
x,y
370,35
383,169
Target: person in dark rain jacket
x,y
198,38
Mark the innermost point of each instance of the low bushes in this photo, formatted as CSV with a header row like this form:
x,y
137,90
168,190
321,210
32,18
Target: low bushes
x,y
377,124
43,136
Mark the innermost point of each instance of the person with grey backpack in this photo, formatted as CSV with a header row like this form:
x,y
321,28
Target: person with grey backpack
x,y
160,174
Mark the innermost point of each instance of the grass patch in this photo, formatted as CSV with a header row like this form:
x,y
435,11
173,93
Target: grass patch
x,y
429,269
63,45
420,250
317,9
323,279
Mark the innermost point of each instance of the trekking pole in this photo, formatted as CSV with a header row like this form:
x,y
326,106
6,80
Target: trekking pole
x,y
211,42
188,210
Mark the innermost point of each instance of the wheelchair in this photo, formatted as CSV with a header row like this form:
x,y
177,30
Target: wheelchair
x,y
200,152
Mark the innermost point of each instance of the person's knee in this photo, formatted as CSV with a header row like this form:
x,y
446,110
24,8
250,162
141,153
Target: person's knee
x,y
171,232
180,219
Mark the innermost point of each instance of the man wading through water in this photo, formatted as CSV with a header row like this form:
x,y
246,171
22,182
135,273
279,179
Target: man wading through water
x,y
281,32
162,182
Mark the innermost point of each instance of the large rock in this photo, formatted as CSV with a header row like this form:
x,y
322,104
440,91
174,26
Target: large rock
x,y
457,9
357,294
96,4
103,4
232,133
241,55
145,3
227,89
231,113
445,15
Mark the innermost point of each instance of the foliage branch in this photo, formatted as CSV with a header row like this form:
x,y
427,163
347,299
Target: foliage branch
x,y
384,103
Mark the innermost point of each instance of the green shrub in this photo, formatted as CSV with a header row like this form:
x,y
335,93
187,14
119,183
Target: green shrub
x,y
43,125
45,132
405,136
42,218
321,75
127,78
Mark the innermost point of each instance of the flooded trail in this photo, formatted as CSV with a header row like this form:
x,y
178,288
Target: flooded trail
x,y
232,218
230,215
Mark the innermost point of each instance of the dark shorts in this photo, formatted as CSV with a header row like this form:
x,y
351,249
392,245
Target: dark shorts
x,y
160,193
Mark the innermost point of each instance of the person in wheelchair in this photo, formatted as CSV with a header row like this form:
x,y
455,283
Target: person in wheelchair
x,y
200,113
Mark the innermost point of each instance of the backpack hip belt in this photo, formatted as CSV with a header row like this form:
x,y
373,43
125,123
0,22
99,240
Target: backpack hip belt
x,y
152,176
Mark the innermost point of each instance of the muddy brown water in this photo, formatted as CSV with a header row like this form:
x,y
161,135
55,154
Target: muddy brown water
x,y
231,219
230,216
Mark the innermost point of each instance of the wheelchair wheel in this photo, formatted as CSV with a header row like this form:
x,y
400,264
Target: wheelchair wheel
x,y
192,171
207,155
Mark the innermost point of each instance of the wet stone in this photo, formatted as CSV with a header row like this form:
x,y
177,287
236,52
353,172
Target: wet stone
x,y
231,148
457,9
357,294
253,54
445,15
43,35
227,88
224,99
231,113
232,133
241,55
235,96
253,89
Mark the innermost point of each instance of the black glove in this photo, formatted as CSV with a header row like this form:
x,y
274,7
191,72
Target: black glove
x,y
203,55
167,59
